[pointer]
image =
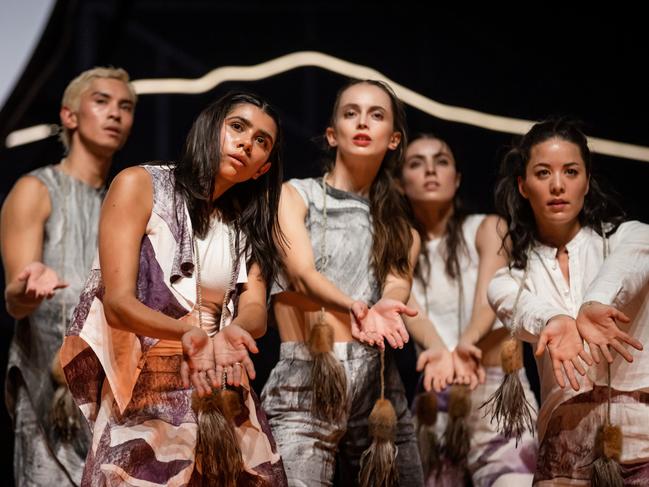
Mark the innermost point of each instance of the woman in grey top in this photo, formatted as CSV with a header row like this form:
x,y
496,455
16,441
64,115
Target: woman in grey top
x,y
348,272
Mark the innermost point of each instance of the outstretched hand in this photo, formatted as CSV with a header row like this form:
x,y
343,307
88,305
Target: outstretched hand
x,y
231,347
357,313
468,368
565,346
437,364
198,365
40,280
596,323
381,322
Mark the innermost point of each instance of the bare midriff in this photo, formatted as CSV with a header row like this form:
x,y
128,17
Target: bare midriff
x,y
295,314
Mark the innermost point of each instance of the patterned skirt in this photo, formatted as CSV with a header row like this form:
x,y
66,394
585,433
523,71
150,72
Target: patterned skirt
x,y
153,442
567,452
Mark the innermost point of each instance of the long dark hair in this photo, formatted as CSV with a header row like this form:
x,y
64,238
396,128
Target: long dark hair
x,y
391,236
454,243
252,205
599,207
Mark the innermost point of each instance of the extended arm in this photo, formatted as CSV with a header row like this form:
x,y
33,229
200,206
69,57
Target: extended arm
x,y
492,258
435,360
27,280
540,322
297,255
624,274
532,313
383,320
127,207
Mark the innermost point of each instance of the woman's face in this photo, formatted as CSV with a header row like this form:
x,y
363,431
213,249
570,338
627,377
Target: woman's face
x,y
429,174
555,182
364,123
247,137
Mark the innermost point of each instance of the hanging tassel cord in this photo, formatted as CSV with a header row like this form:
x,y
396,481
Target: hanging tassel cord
x,y
605,249
378,463
508,405
328,378
218,454
382,377
606,470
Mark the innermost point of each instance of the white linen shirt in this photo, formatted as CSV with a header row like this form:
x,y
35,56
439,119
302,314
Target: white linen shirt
x,y
621,281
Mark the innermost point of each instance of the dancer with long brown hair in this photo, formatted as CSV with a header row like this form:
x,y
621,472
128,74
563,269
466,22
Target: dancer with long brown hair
x,y
348,273
456,329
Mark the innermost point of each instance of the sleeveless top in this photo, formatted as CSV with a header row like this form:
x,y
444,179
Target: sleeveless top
x,y
93,350
442,292
348,239
69,245
216,272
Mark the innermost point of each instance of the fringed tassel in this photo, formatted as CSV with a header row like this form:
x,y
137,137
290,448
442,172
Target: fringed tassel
x,y
608,447
508,406
65,415
378,463
327,375
608,443
457,436
217,450
606,468
429,448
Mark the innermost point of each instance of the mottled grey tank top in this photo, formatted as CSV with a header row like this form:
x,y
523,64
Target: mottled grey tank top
x,y
348,239
69,246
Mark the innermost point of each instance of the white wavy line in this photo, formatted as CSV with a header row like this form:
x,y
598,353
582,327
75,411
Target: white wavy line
x,y
30,134
313,58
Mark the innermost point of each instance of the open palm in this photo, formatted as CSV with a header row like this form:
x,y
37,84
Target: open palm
x,y
41,280
437,365
468,368
565,346
383,322
596,323
231,347
198,366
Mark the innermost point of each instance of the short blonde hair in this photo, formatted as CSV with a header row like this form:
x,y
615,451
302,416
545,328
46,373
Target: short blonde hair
x,y
76,87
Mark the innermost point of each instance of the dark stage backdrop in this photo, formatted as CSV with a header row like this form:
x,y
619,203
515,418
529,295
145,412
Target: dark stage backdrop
x,y
585,64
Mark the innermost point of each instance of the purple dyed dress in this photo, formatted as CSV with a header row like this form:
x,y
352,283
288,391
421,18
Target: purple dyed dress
x,y
144,428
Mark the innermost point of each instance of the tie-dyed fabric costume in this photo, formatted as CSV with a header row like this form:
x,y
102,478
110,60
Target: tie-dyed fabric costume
x,y
144,427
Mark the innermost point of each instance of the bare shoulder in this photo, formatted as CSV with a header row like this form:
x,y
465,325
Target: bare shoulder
x,y
28,199
132,190
491,232
291,199
416,241
492,226
135,181
289,191
133,176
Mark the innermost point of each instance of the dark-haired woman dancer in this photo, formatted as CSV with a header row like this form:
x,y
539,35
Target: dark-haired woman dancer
x,y
456,327
160,312
350,248
563,231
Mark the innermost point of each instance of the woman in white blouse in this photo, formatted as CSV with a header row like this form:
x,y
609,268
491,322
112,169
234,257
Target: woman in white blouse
x,y
455,327
560,226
